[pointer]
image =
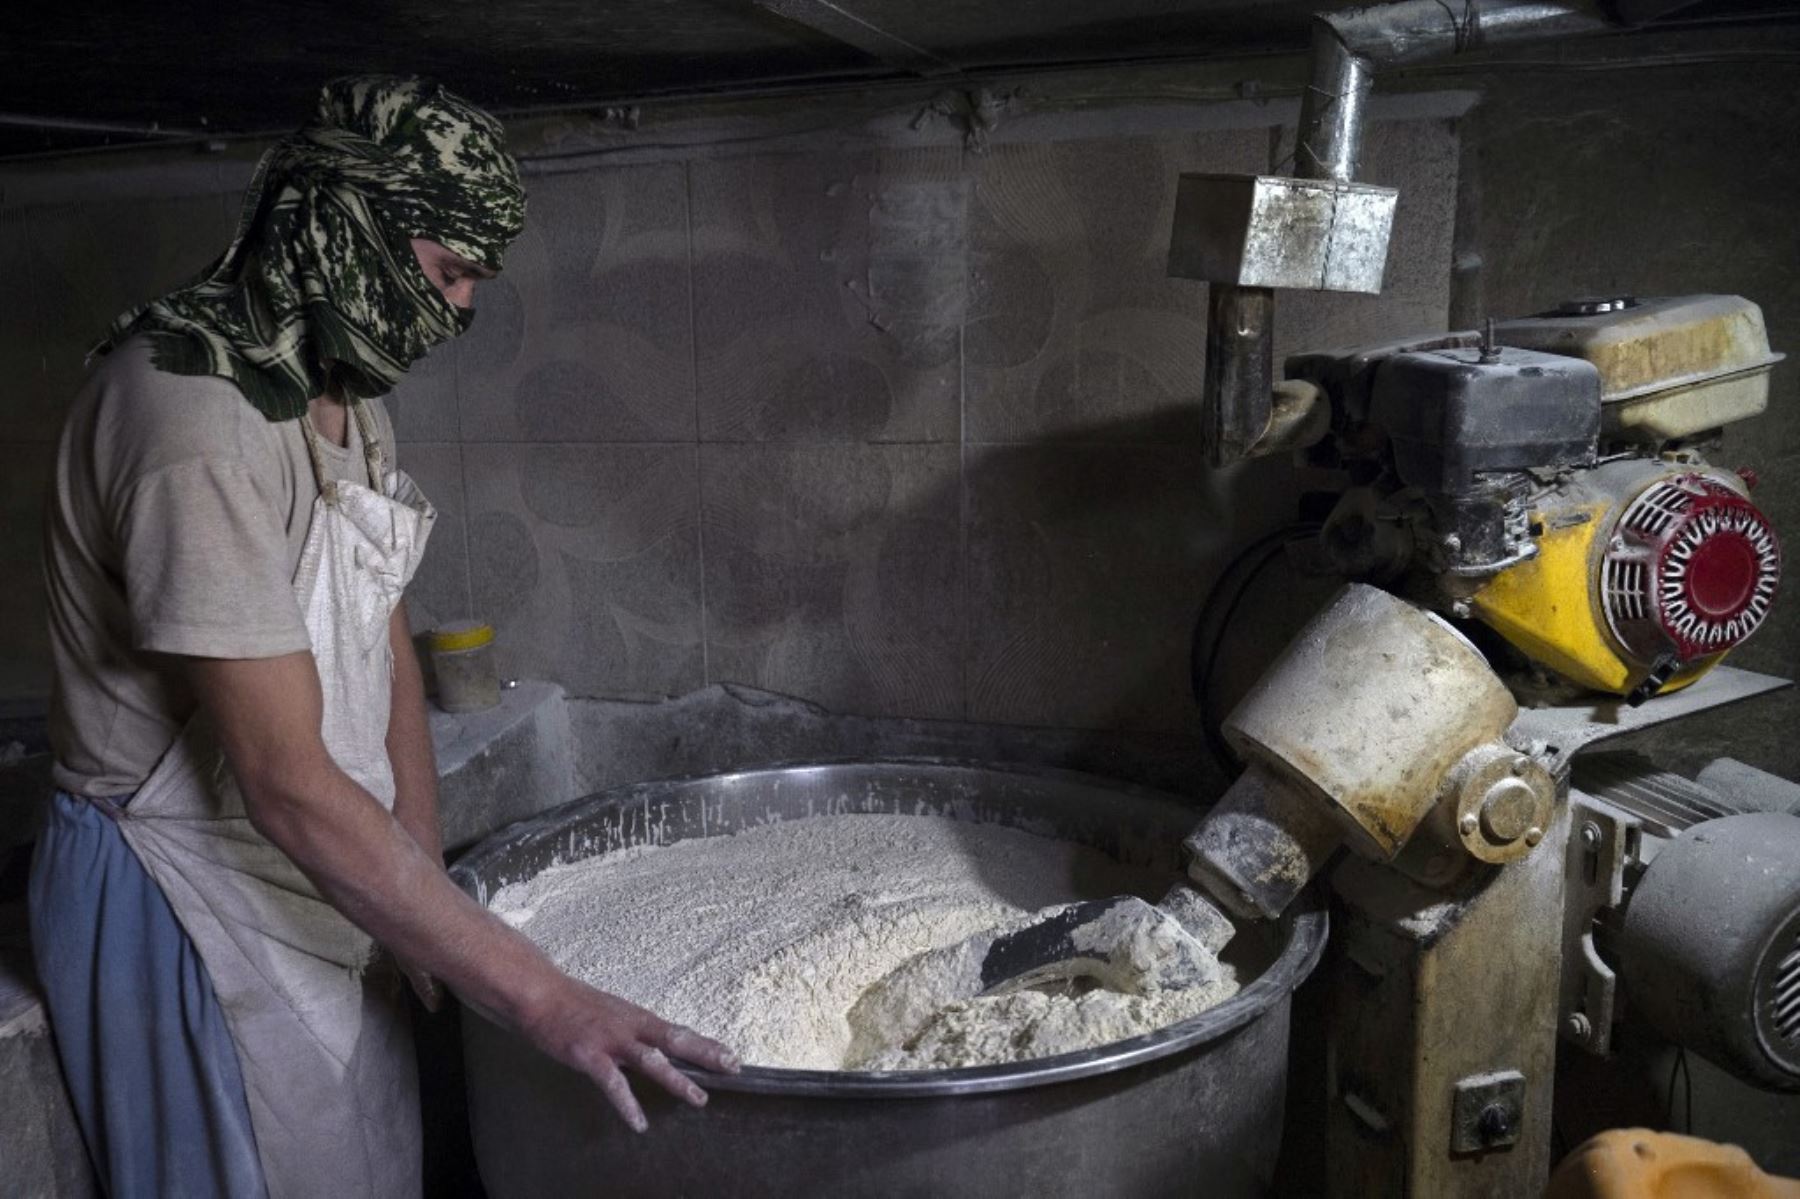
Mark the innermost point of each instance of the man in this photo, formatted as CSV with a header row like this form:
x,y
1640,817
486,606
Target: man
x,y
247,793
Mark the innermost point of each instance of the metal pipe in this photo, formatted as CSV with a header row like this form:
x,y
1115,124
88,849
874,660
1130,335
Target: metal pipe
x,y
1259,847
1347,48
1240,370
1412,30
23,120
1333,108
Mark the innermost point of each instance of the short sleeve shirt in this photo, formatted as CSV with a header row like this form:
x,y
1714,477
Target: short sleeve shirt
x,y
176,521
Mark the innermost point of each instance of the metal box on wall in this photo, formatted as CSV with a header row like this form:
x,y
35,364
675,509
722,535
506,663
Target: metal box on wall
x,y
1271,231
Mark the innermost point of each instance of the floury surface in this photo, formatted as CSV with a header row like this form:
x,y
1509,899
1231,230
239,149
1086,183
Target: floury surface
x,y
800,924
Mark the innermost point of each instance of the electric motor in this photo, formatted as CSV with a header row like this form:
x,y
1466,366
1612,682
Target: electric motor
x,y
1709,948
1684,912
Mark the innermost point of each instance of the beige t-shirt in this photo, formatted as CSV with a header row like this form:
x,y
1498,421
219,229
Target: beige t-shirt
x,y
177,516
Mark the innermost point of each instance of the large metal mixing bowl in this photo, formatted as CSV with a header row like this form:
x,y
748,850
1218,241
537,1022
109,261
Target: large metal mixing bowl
x,y
1195,1108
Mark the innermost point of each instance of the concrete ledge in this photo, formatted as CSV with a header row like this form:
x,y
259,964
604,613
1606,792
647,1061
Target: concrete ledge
x,y
504,764
729,727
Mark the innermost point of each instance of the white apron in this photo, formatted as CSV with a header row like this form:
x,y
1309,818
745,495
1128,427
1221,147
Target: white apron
x,y
321,1031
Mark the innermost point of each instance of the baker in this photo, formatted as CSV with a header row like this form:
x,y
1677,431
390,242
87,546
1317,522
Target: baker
x,y
247,814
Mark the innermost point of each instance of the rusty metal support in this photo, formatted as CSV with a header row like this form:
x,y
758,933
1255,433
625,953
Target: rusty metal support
x,y
1240,369
1442,1045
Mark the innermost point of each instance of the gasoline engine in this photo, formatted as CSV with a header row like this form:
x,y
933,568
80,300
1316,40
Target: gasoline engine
x,y
1547,478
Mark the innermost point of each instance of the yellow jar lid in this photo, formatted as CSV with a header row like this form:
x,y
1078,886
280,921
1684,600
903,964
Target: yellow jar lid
x,y
464,634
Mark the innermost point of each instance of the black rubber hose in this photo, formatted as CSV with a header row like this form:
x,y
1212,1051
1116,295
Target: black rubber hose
x,y
1226,596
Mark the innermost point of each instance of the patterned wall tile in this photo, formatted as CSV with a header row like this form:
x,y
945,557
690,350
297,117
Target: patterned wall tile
x,y
586,334
71,270
1074,326
423,407
440,590
24,635
586,558
1087,566
828,296
815,321
832,573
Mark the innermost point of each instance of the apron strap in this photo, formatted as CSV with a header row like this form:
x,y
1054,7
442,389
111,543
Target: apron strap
x,y
371,447
371,443
325,483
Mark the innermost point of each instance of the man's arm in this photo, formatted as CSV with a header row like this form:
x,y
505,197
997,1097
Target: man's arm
x,y
409,744
415,770
268,714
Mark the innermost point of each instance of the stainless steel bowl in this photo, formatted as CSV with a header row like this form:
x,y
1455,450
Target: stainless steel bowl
x,y
1196,1106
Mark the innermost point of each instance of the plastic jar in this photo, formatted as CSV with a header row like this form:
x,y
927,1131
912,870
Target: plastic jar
x,y
462,657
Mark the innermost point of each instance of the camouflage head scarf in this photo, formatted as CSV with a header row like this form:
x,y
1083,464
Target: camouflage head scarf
x,y
320,285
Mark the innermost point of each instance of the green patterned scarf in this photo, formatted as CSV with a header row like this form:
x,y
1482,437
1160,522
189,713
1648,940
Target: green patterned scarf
x,y
320,286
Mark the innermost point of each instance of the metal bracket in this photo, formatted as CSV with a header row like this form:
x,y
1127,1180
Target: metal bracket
x,y
1488,1112
1561,730
1605,840
1599,847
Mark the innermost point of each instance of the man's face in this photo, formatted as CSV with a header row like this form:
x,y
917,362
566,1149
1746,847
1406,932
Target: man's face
x,y
454,276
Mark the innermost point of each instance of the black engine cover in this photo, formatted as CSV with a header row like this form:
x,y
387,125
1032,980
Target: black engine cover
x,y
1452,414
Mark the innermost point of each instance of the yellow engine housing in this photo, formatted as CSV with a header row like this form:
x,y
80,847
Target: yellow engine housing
x,y
1549,606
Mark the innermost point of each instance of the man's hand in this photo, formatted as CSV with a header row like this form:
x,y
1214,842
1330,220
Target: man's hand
x,y
602,1035
268,713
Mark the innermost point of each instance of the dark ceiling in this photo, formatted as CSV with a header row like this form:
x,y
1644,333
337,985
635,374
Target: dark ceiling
x,y
82,75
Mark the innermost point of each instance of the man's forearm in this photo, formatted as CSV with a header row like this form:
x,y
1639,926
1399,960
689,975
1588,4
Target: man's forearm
x,y
377,875
356,853
268,714
409,743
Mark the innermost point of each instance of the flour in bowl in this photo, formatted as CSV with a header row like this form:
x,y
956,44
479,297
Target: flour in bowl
x,y
768,938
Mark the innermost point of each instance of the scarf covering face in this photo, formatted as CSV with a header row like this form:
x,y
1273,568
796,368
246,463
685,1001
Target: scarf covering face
x,y
320,285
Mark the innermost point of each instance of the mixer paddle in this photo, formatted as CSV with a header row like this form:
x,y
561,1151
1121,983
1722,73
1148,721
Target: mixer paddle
x,y
1122,942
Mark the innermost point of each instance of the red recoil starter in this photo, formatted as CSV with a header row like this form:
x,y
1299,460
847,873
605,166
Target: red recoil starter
x,y
1691,570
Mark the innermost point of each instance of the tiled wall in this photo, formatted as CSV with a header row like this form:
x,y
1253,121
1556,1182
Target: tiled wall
x,y
904,433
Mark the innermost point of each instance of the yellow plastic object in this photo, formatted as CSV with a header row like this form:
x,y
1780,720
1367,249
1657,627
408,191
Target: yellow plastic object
x,y
1636,1163
1548,607
465,635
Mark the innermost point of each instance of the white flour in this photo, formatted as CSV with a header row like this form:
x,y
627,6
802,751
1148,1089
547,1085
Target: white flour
x,y
767,939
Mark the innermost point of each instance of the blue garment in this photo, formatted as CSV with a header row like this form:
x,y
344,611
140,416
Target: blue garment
x,y
151,1066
